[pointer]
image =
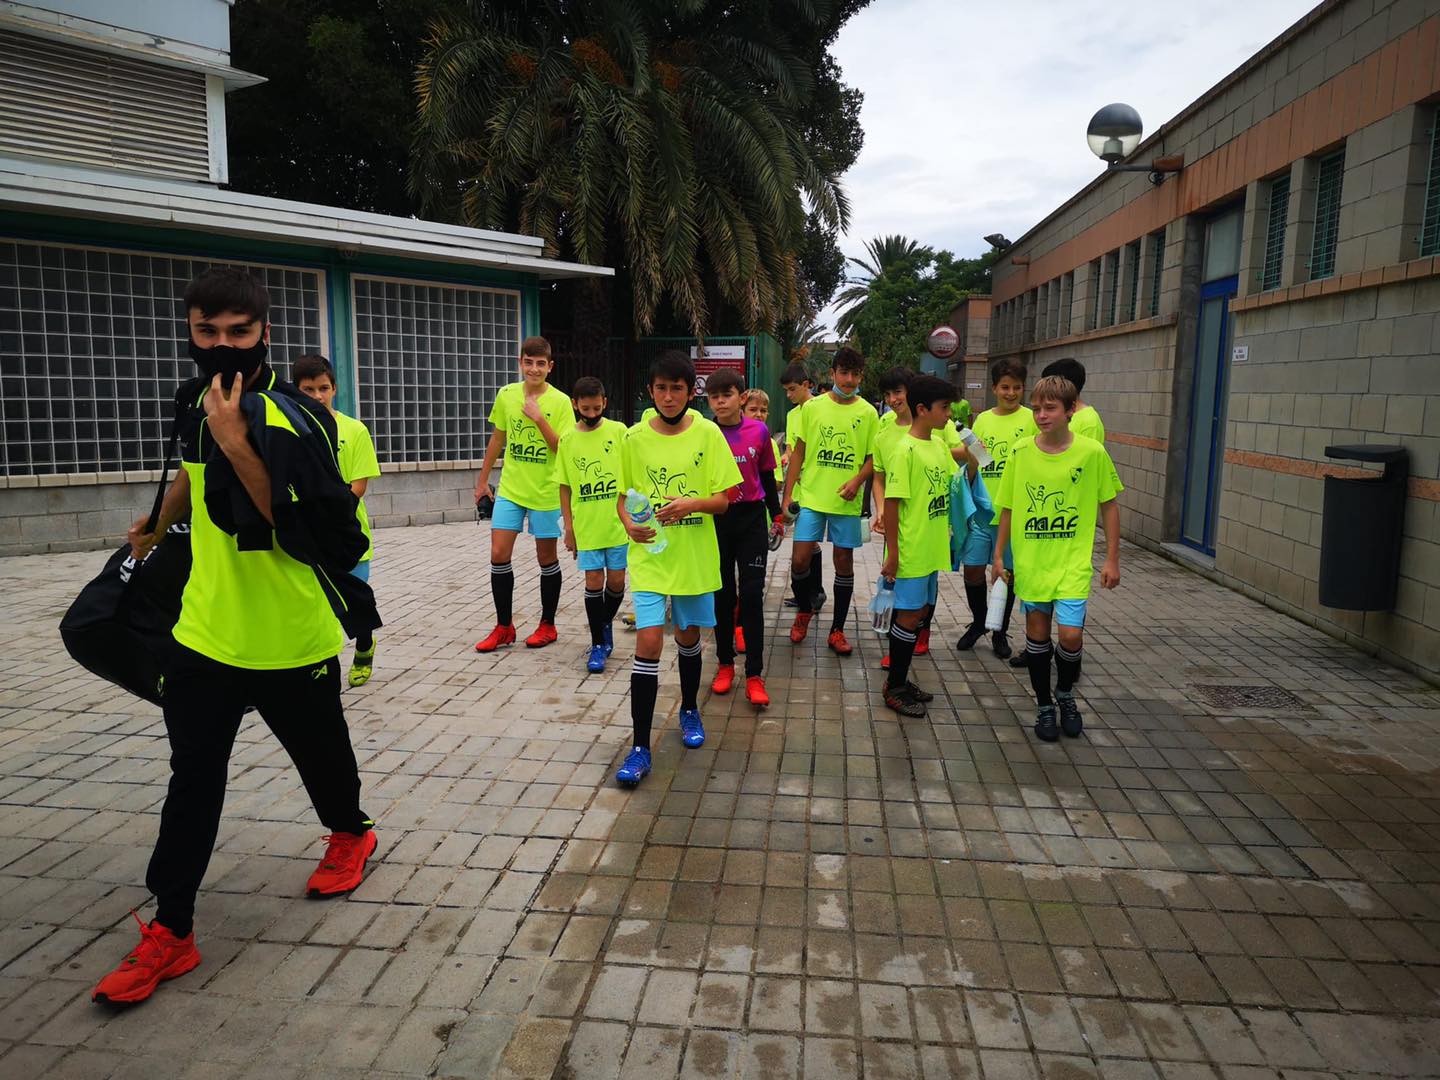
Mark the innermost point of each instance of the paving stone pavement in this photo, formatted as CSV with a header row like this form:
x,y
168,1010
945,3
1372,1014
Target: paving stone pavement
x,y
1195,889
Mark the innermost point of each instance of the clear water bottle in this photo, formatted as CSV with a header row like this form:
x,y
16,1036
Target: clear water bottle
x,y
975,446
882,607
995,606
642,513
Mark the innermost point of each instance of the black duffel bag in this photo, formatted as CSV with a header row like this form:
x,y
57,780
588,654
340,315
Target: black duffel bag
x,y
119,626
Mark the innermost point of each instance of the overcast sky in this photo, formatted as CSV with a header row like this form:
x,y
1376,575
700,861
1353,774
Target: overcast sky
x,y
975,113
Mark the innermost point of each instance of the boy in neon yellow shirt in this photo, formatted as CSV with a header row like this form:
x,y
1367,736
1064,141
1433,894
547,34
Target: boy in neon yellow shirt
x,y
528,419
1086,420
917,530
682,464
998,429
592,476
890,435
800,389
1054,488
830,462
314,377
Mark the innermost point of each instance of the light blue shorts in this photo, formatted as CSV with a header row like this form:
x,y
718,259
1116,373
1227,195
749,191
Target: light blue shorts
x,y
914,593
1065,612
611,558
979,549
544,524
813,525
362,570
685,611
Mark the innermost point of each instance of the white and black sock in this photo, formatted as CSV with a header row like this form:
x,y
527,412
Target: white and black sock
x,y
644,685
502,588
690,675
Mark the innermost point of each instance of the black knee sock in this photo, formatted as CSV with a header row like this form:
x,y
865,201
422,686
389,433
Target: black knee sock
x,y
690,675
817,571
549,591
844,590
179,925
976,598
902,651
502,588
595,615
1067,669
1038,653
612,604
801,583
1009,607
365,643
644,685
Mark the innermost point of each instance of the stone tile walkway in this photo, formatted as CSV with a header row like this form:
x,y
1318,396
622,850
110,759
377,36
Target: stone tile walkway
x,y
1214,883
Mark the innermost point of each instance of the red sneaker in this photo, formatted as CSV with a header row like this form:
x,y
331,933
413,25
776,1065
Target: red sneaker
x,y
740,641
159,956
724,679
343,867
501,635
801,627
839,643
885,661
544,635
922,642
756,693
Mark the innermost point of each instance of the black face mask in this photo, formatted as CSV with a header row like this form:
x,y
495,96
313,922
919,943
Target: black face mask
x,y
591,421
227,361
676,419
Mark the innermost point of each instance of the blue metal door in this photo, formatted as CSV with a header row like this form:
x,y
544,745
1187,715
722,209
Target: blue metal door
x,y
1206,454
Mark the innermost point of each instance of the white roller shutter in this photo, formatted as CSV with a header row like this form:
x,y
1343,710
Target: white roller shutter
x,y
66,103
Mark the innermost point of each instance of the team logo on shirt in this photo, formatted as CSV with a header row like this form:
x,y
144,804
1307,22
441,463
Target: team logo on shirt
x,y
666,486
597,483
1052,514
999,452
837,451
939,478
526,443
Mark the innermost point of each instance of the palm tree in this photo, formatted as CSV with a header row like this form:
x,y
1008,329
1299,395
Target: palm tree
x,y
884,254
660,136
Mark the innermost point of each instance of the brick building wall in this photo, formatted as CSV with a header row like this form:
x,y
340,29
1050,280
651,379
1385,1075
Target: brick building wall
x,y
1335,316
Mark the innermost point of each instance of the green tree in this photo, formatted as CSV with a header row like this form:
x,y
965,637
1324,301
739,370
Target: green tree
x,y
907,290
334,120
667,139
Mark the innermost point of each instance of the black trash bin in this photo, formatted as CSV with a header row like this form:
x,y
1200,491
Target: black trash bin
x,y
1360,531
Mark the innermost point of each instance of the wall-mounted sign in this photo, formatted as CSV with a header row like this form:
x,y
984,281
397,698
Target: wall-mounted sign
x,y
943,342
974,386
1240,354
712,358
717,352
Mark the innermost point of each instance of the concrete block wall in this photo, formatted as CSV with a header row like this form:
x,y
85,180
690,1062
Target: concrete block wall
x,y
1354,367
86,513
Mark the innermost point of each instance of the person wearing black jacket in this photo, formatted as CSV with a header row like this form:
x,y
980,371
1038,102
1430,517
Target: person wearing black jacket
x,y
272,529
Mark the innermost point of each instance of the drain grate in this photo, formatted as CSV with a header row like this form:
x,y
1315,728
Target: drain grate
x,y
1248,697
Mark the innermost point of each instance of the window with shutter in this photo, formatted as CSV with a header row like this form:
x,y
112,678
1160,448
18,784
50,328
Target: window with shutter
x,y
67,103
1275,233
1430,227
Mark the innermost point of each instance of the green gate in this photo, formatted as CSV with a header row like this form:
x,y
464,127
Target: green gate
x,y
763,364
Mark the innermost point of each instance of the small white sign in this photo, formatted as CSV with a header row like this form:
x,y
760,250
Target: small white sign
x,y
1240,354
718,352
973,386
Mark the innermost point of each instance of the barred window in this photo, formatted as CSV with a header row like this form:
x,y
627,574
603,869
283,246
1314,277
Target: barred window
x,y
93,343
1112,288
1067,300
1132,279
1157,268
1329,176
1270,276
1430,223
1092,299
432,358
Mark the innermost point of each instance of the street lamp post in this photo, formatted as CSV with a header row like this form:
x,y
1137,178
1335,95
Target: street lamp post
x,y
1113,135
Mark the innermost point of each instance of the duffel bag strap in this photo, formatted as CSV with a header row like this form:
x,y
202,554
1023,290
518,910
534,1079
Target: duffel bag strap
x,y
175,424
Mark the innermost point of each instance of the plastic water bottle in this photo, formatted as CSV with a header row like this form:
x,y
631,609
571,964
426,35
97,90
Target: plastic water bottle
x,y
995,609
975,446
642,513
882,607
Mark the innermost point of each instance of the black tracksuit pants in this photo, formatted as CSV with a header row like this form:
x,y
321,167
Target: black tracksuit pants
x,y
744,540
204,701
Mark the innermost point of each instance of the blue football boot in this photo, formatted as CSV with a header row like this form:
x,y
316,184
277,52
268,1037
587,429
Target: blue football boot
x,y
635,767
595,664
692,731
